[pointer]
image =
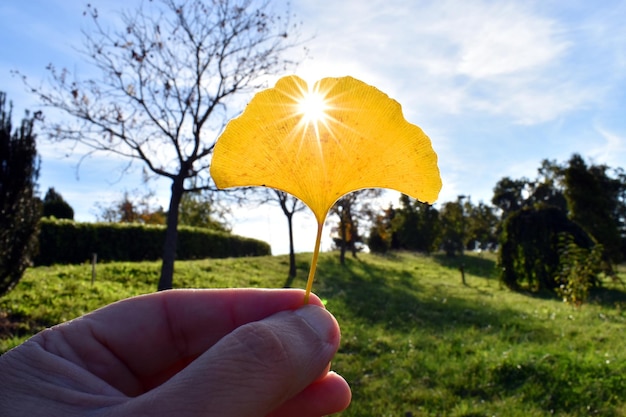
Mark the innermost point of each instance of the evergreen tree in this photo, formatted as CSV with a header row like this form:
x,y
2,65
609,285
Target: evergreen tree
x,y
19,207
55,206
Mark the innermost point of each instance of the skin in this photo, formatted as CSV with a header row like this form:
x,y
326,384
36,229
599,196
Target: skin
x,y
236,352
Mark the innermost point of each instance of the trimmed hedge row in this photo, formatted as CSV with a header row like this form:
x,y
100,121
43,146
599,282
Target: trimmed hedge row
x,y
68,242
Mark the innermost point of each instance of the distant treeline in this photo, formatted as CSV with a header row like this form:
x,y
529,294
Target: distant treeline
x,y
593,196
529,221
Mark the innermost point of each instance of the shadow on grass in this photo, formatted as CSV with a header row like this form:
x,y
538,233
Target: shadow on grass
x,y
473,264
393,301
400,302
611,296
608,297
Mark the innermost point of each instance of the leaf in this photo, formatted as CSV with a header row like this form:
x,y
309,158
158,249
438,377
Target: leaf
x,y
321,143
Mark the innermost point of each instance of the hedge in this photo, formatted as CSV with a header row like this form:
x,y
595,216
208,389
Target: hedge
x,y
69,242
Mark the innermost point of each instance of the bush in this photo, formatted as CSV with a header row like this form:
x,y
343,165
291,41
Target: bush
x,y
68,242
579,269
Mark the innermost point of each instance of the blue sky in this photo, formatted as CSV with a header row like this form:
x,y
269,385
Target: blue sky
x,y
497,85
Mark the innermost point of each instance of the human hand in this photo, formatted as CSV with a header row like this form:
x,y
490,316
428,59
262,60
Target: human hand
x,y
226,353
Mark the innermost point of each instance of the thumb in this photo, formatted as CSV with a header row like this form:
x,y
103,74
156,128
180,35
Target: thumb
x,y
254,369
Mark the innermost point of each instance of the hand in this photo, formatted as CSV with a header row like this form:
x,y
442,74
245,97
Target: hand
x,y
226,353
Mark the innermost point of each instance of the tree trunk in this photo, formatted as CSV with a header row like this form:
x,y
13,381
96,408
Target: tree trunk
x,y
171,236
292,253
342,235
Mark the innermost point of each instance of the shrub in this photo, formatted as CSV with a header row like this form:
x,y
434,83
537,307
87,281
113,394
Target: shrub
x,y
579,269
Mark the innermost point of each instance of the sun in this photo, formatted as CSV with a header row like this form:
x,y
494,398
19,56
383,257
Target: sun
x,y
312,107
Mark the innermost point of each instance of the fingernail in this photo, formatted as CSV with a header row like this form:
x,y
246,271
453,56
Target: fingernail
x,y
320,320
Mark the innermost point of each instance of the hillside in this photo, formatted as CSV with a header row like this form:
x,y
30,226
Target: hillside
x,y
416,341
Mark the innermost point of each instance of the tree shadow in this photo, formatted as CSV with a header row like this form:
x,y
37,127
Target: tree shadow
x,y
474,265
392,300
375,298
608,297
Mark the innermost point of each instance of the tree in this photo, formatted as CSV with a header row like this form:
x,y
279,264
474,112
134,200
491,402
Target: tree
x,y
55,206
548,188
508,195
482,224
289,206
132,210
453,227
415,226
353,210
381,237
594,201
170,78
197,209
20,209
531,247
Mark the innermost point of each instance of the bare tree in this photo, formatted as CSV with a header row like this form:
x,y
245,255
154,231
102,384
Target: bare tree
x,y
170,78
289,205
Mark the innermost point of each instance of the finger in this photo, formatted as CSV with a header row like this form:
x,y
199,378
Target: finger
x,y
329,395
253,370
138,343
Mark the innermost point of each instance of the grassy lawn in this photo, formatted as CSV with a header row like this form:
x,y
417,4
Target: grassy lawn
x,y
416,341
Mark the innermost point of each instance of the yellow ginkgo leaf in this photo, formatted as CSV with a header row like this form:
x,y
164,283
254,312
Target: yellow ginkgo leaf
x,y
319,143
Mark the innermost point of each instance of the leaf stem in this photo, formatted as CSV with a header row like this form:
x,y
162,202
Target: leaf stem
x,y
316,252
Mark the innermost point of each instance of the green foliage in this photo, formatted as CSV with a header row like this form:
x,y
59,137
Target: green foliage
x,y
415,226
453,227
579,269
55,206
352,210
529,247
508,195
68,242
379,238
595,201
414,339
482,224
19,208
198,210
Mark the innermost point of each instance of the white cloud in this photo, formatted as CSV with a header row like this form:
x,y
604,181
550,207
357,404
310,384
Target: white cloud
x,y
503,38
504,58
612,150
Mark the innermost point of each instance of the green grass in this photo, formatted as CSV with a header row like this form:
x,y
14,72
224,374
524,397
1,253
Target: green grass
x,y
415,339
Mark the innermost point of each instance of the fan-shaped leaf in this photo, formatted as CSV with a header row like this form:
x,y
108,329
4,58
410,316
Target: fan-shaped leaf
x,y
323,142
